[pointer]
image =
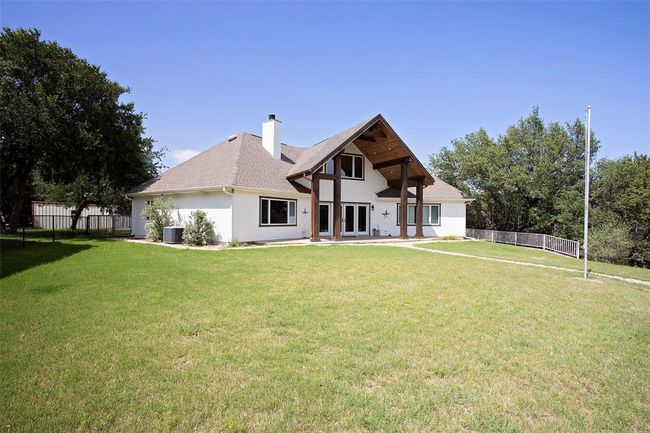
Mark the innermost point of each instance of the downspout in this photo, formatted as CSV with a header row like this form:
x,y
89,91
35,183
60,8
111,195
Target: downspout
x,y
230,194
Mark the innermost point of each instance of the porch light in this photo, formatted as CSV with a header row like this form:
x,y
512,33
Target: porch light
x,y
372,207
304,211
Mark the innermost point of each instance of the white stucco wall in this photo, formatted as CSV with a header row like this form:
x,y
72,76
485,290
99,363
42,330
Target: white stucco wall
x,y
452,213
353,190
452,218
238,216
216,204
246,217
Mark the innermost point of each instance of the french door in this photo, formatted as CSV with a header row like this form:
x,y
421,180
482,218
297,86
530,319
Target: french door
x,y
355,219
325,224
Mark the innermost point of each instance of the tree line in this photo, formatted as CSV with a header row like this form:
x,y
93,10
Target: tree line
x,y
531,179
65,135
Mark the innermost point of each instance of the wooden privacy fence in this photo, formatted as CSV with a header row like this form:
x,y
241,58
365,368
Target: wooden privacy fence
x,y
535,240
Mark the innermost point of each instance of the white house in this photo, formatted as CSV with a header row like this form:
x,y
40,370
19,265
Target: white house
x,y
363,181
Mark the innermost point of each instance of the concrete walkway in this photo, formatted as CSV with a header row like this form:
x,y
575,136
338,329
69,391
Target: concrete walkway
x,y
535,265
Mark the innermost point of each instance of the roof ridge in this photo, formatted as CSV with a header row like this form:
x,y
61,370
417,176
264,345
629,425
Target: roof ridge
x,y
355,126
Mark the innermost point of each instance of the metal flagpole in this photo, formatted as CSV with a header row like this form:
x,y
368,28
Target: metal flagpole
x,y
587,164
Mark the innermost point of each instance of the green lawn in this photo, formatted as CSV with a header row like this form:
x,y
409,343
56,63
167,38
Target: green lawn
x,y
533,255
114,336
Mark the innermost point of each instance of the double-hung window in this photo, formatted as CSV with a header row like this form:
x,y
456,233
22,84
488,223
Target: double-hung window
x,y
277,212
430,214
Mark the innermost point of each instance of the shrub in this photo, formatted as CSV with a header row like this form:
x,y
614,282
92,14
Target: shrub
x,y
449,238
158,214
610,242
199,230
233,243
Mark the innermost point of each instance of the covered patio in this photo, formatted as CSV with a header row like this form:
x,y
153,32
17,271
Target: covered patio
x,y
387,153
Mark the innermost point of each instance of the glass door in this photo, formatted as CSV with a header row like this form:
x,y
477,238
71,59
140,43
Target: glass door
x,y
362,220
324,225
355,219
349,212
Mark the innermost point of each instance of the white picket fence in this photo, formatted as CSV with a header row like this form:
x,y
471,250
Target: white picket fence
x,y
535,240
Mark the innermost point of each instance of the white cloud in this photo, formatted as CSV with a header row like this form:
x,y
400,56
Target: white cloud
x,y
183,155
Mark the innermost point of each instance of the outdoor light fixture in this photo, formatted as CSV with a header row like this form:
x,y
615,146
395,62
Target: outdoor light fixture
x,y
385,213
372,207
304,211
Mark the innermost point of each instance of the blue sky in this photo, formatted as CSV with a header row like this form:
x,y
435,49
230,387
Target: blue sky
x,y
436,71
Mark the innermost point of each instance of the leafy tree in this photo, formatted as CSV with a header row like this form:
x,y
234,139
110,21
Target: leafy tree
x,y
621,193
158,213
524,180
199,230
610,242
61,121
531,178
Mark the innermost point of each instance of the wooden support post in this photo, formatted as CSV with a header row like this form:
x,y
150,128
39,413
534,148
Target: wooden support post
x,y
404,194
315,208
419,193
336,235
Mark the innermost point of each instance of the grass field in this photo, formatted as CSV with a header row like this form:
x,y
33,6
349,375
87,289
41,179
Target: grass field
x,y
533,255
113,336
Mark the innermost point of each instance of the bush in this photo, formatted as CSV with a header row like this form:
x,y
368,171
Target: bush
x,y
158,214
233,243
610,242
449,238
199,230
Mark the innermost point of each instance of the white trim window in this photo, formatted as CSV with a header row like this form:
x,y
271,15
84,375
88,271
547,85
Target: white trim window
x,y
327,168
277,212
351,166
430,214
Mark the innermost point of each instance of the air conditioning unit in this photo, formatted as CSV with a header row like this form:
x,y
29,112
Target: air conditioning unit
x,y
173,235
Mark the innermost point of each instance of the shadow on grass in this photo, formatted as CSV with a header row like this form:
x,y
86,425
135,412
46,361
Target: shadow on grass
x,y
59,234
14,258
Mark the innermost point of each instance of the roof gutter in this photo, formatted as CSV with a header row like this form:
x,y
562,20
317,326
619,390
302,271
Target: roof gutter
x,y
219,188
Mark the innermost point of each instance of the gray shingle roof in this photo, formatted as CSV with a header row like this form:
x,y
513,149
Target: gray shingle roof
x,y
392,192
320,151
239,162
243,162
440,190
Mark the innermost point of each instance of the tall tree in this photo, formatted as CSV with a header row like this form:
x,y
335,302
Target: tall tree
x,y
61,118
621,198
524,180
